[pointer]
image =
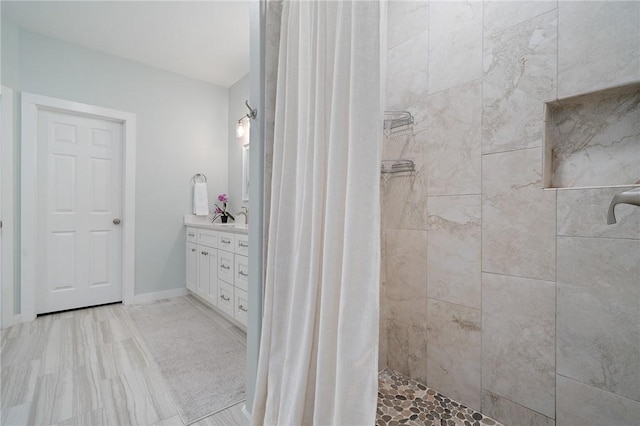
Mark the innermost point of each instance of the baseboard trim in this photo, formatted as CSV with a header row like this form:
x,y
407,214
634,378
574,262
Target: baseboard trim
x,y
246,412
11,321
157,295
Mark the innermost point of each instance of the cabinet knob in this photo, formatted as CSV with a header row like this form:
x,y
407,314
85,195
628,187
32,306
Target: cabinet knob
x,y
244,274
116,221
223,266
242,244
193,250
226,299
242,308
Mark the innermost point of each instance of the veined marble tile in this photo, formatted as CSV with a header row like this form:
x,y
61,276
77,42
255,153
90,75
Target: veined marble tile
x,y
18,383
598,45
518,217
93,418
406,290
579,404
510,413
583,213
406,264
69,345
42,324
407,328
23,348
454,351
595,139
455,43
518,340
113,331
173,421
501,14
65,394
229,417
403,195
117,358
406,19
454,140
520,67
453,250
16,415
141,395
407,77
599,313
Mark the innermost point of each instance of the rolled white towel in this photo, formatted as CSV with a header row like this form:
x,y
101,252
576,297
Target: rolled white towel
x,y
200,199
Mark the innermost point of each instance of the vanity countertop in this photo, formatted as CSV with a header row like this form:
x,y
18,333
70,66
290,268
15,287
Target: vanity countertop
x,y
204,222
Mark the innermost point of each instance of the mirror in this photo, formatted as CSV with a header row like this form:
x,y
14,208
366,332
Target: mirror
x,y
245,172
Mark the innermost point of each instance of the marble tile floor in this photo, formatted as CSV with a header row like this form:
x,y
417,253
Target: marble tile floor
x,y
403,401
88,367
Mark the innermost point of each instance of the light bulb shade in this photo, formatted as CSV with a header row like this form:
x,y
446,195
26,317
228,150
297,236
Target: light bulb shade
x,y
239,129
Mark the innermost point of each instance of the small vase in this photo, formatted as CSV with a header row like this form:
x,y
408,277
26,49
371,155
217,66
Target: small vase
x,y
223,219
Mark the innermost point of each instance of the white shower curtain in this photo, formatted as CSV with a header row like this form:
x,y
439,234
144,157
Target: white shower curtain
x,y
319,344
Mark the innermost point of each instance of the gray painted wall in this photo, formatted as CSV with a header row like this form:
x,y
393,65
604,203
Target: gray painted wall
x,y
182,129
238,93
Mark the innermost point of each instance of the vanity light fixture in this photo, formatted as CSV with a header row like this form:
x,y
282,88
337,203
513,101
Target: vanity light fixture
x,y
240,130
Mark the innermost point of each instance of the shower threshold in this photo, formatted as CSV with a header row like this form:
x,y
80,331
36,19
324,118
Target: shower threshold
x,y
404,401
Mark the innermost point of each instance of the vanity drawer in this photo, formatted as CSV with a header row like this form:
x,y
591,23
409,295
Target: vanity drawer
x,y
207,238
226,266
191,235
226,241
226,300
242,272
241,306
242,245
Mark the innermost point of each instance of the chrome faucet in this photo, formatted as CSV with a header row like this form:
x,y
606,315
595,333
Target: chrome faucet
x,y
245,212
628,197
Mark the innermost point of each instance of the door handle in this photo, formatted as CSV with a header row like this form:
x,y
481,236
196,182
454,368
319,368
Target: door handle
x,y
116,221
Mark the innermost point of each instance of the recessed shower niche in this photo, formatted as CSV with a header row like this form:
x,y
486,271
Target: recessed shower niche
x,y
593,139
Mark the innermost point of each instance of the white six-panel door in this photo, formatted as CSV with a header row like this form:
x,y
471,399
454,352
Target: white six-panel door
x,y
79,209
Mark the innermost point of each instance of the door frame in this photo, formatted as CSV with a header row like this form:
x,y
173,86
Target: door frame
x,y
7,278
31,105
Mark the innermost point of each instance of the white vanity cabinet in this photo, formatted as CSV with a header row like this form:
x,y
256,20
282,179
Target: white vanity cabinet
x,y
218,269
192,266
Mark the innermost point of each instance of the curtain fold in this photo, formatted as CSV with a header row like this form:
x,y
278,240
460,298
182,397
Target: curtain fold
x,y
319,343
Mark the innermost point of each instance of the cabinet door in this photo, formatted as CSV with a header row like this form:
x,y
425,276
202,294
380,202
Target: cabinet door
x,y
203,270
242,245
192,266
225,298
226,241
242,272
212,291
241,306
225,266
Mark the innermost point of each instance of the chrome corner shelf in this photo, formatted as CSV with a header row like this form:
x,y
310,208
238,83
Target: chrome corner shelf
x,y
396,120
397,166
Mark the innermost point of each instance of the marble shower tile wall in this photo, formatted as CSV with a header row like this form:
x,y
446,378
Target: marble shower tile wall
x,y
453,250
455,43
482,229
520,68
595,139
454,143
454,351
597,45
599,313
518,340
406,302
518,216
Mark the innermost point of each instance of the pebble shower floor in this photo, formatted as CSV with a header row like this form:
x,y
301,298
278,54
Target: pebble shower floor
x,y
403,401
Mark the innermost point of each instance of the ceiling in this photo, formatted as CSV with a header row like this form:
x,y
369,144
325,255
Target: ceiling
x,y
204,40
